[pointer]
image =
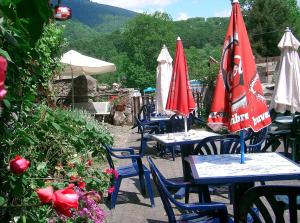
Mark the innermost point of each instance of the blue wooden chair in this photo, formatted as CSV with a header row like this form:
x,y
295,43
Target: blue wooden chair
x,y
295,138
136,168
214,145
145,128
254,140
269,203
193,212
175,124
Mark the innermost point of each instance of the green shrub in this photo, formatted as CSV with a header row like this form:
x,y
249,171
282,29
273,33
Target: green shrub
x,y
59,145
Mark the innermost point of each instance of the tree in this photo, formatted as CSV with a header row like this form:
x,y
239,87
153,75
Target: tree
x,y
143,38
266,21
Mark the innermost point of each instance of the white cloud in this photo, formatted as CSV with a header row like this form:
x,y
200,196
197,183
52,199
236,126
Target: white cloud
x,y
182,16
298,1
224,13
137,5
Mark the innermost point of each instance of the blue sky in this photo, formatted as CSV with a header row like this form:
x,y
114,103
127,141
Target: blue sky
x,y
178,9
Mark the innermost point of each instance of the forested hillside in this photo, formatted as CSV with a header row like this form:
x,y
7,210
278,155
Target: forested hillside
x,y
135,44
102,18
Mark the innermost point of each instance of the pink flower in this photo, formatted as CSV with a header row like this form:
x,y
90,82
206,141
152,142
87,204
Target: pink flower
x,y
45,194
3,68
109,171
111,190
19,165
116,174
65,199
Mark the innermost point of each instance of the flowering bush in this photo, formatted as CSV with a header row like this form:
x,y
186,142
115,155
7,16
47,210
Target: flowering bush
x,y
45,153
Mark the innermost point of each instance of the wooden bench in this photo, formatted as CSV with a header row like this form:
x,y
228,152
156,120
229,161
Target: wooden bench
x,y
95,108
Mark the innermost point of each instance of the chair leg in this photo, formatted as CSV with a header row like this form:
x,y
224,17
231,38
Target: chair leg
x,y
115,193
142,184
149,188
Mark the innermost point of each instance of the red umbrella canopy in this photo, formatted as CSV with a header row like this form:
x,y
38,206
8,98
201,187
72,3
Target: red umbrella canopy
x,y
3,67
238,101
180,98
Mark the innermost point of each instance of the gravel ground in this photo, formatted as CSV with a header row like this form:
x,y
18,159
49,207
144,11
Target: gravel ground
x,y
120,134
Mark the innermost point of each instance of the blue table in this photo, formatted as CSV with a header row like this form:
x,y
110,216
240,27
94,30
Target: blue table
x,y
186,143
220,169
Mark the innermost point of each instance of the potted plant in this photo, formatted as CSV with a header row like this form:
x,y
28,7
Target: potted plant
x,y
119,103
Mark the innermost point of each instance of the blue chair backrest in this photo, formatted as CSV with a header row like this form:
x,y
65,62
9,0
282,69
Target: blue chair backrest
x,y
176,124
255,140
296,126
164,194
264,204
223,144
108,156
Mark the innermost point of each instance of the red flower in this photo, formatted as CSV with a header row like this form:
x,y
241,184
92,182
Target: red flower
x,y
111,190
81,184
19,165
112,172
65,199
45,194
89,163
73,178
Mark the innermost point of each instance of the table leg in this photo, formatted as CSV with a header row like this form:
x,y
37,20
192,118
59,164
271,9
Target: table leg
x,y
186,150
238,190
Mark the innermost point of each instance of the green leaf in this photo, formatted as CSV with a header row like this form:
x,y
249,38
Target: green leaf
x,y
41,165
56,126
2,201
6,103
5,54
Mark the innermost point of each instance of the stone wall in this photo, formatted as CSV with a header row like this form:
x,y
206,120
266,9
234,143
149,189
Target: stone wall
x,y
87,89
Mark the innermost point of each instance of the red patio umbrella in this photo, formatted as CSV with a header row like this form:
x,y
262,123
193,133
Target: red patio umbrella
x,y
180,98
238,101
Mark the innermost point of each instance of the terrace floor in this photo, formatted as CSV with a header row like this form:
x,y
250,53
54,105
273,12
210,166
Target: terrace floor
x,y
131,206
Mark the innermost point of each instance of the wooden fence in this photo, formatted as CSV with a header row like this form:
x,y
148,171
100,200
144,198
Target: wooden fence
x,y
138,102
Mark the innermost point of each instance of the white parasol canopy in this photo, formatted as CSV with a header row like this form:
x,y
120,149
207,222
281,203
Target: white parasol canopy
x,y
163,79
286,96
78,64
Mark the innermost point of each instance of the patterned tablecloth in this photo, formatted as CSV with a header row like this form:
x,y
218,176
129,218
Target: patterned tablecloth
x,y
180,138
227,168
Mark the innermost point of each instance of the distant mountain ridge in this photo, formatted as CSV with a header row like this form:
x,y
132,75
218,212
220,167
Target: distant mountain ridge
x,y
94,14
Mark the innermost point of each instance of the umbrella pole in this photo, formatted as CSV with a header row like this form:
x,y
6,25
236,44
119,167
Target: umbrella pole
x,y
185,125
72,88
242,146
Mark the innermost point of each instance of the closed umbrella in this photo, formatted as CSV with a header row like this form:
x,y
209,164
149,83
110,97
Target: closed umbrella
x,y
78,64
286,96
238,101
163,79
180,98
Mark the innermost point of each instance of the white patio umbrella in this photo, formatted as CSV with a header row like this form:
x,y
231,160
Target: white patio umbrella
x,y
286,96
78,64
163,79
